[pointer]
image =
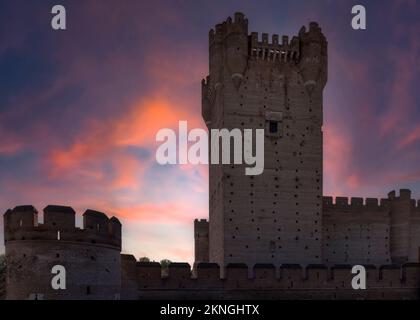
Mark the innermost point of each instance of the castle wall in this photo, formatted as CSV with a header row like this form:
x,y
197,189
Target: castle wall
x,y
265,281
90,256
371,231
414,232
400,225
355,232
414,252
92,272
274,217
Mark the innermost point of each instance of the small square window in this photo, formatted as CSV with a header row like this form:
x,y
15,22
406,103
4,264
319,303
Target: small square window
x,y
273,124
274,127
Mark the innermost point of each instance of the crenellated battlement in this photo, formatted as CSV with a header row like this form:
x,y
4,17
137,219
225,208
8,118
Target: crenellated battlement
x,y
21,224
231,36
201,223
273,50
238,276
345,204
355,204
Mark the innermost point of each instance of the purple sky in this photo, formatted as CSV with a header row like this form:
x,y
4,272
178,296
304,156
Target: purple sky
x,y
79,109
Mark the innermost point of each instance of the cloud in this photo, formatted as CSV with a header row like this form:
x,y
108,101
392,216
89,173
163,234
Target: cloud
x,y
403,65
159,241
9,145
78,119
410,138
137,127
337,157
180,211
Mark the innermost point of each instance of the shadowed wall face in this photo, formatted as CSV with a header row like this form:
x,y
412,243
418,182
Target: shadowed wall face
x,y
91,256
201,240
265,281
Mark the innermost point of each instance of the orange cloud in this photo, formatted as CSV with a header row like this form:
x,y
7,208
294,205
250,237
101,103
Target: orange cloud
x,y
136,128
353,181
127,170
140,126
186,68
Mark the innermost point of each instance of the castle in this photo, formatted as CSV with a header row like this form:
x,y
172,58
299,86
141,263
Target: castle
x,y
272,236
281,216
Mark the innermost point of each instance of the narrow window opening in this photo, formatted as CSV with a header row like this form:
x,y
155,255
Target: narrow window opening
x,y
274,127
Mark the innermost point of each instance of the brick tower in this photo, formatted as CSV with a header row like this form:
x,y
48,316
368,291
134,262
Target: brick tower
x,y
90,256
275,217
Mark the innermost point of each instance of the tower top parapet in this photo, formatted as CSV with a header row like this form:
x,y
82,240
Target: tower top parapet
x,y
21,224
222,30
274,49
313,34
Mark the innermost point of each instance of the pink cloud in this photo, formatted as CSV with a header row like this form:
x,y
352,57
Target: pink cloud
x,y
10,143
410,138
337,157
9,147
136,128
175,211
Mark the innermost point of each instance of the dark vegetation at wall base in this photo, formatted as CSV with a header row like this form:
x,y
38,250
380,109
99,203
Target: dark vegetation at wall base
x,y
164,264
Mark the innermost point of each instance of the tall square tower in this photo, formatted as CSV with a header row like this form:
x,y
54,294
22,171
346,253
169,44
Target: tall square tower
x,y
253,83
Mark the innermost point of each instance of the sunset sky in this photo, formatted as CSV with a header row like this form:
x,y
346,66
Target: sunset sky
x,y
79,109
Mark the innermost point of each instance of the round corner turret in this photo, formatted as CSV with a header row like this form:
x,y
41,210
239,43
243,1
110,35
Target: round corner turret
x,y
314,57
94,251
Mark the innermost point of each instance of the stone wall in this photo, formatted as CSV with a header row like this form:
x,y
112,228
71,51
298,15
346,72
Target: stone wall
x,y
265,281
371,231
201,240
91,256
260,84
356,231
280,216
